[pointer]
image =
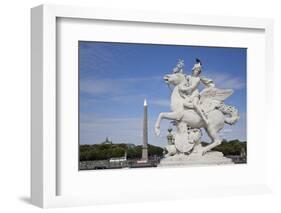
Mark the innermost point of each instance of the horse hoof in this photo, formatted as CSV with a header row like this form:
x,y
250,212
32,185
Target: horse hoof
x,y
157,131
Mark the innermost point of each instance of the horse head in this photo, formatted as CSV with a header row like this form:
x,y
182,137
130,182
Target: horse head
x,y
174,78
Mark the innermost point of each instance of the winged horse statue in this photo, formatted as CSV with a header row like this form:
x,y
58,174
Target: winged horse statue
x,y
207,108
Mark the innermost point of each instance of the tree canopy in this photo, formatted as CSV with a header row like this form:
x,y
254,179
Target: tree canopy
x,y
107,151
233,147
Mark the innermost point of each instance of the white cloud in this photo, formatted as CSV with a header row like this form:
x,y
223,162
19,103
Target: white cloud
x,y
109,86
160,102
99,86
94,129
226,130
226,81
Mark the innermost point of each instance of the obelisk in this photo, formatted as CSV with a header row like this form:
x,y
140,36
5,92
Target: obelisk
x,y
145,136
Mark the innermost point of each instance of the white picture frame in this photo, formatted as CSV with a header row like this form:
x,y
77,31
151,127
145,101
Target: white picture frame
x,y
44,149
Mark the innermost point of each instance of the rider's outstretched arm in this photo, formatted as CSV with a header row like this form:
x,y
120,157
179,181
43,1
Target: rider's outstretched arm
x,y
187,89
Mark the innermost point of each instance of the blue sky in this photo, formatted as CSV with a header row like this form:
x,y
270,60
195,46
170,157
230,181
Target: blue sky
x,y
116,77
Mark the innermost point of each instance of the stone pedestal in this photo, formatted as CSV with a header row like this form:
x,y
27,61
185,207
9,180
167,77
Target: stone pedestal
x,y
195,159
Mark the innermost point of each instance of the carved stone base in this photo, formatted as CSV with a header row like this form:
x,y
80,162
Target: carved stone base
x,y
195,159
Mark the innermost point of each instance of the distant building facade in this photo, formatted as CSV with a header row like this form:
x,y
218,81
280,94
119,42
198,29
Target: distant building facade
x,y
107,141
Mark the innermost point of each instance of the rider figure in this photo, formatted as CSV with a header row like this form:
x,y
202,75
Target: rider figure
x,y
189,91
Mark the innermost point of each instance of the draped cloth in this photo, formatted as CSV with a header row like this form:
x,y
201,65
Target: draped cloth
x,y
207,81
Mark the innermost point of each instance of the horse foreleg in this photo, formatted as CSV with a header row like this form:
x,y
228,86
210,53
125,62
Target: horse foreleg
x,y
166,115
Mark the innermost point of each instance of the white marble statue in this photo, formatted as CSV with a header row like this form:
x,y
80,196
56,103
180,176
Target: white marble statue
x,y
184,141
193,109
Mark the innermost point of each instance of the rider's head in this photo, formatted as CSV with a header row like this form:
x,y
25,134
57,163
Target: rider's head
x,y
197,68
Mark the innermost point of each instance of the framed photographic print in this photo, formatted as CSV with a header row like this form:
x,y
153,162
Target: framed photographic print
x,y
114,80
126,102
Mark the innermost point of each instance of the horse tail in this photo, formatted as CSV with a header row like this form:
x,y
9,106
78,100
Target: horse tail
x,y
232,112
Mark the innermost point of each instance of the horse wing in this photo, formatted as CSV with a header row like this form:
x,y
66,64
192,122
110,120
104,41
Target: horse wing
x,y
212,93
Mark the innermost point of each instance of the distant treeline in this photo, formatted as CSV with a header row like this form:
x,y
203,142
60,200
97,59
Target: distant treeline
x,y
107,151
233,147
